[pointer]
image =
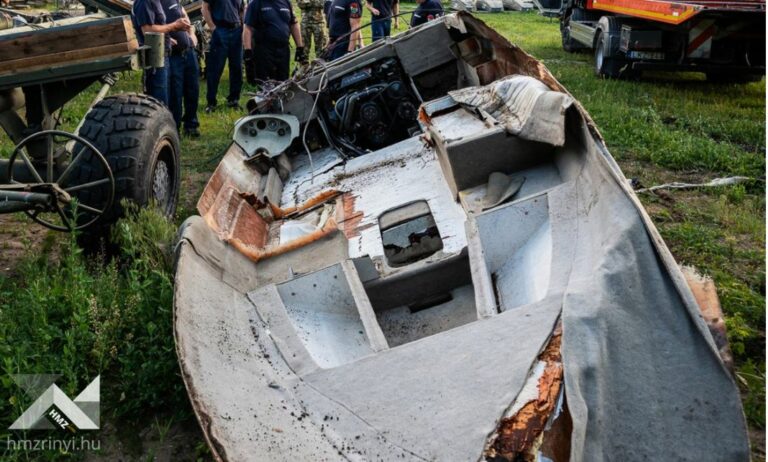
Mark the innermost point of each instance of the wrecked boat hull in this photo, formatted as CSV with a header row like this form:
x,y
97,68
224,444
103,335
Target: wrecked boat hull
x,y
531,310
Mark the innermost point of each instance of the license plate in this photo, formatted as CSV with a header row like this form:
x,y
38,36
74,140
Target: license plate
x,y
646,55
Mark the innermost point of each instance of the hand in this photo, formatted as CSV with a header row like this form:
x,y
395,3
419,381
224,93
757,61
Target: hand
x,y
397,23
181,24
174,42
193,39
301,55
374,11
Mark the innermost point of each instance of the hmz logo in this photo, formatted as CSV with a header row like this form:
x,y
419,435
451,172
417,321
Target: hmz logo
x,y
52,407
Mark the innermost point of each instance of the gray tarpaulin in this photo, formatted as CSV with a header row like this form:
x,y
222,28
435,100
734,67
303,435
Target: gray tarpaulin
x,y
643,381
523,105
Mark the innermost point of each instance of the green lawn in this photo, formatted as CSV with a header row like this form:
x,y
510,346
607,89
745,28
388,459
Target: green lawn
x,y
59,310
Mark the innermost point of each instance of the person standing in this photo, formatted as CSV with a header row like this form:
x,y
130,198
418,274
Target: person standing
x,y
184,72
344,27
426,11
382,12
148,16
224,19
327,11
269,24
313,25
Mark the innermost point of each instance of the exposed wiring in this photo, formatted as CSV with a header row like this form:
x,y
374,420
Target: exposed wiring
x,y
321,85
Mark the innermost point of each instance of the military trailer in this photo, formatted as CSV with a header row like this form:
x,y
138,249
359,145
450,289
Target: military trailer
x,y
125,147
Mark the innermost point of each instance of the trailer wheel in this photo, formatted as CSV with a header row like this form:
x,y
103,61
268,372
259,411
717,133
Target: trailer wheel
x,y
138,136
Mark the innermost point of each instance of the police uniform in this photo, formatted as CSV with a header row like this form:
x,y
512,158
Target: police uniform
x,y
426,11
150,13
270,21
340,12
226,45
313,25
184,73
326,11
381,24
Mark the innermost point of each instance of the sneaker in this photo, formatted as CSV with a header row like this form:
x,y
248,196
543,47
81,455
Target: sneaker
x,y
210,108
192,132
233,105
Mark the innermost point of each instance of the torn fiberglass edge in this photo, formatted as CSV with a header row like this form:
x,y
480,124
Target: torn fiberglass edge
x,y
397,294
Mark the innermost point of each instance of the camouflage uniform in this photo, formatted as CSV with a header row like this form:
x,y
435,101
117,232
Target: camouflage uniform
x,y
313,25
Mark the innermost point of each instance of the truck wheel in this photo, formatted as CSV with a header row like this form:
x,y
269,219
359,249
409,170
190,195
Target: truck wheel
x,y
138,137
728,78
606,65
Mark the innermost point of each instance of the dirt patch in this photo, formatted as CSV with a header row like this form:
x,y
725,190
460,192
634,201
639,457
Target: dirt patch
x,y
757,440
161,441
18,236
192,184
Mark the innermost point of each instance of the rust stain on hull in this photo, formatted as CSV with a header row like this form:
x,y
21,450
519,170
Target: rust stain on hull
x,y
519,436
705,293
260,253
350,225
321,198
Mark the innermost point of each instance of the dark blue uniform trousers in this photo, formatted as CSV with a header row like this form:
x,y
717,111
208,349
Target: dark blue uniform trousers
x,y
226,45
156,82
185,88
338,49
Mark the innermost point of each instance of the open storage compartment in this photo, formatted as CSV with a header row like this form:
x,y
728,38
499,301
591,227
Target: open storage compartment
x,y
517,243
424,301
324,313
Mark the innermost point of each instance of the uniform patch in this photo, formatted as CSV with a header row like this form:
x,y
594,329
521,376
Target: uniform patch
x,y
354,8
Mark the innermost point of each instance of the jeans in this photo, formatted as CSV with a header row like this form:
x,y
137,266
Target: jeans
x,y
226,45
185,88
156,82
381,28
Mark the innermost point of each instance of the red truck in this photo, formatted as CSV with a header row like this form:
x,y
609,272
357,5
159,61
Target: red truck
x,y
723,39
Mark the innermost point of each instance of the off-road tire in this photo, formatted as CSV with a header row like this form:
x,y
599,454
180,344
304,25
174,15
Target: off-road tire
x,y
138,137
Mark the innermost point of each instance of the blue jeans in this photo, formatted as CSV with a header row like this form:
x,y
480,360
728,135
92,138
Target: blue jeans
x,y
226,45
185,88
156,82
381,28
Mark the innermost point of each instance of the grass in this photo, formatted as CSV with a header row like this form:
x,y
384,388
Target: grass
x,y
63,313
